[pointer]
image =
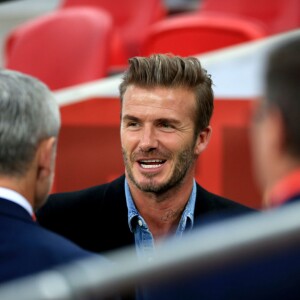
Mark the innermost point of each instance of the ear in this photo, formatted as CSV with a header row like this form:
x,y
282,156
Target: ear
x,y
203,140
45,162
276,131
46,158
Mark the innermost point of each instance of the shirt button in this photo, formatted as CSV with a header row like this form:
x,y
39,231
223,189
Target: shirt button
x,y
140,223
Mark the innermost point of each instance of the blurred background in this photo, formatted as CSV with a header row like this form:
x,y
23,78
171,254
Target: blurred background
x,y
80,48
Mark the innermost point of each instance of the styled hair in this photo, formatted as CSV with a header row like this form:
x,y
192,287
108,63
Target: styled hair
x,y
173,71
28,114
282,89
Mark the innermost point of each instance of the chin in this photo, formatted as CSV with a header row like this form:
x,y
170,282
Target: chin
x,y
153,185
151,179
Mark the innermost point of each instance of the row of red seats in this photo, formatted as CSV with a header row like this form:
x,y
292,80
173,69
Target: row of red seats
x,y
80,42
275,16
76,44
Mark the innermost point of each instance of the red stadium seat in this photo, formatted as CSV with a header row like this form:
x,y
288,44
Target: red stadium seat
x,y
192,34
63,48
132,17
276,15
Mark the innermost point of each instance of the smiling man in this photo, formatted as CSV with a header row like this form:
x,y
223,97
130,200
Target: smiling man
x,y
167,104
159,148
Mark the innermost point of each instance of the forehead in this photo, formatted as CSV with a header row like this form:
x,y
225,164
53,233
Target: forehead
x,y
159,99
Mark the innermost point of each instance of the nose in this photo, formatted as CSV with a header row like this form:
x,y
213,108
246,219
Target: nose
x,y
148,140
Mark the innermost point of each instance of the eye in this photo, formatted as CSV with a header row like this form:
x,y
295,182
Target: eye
x,y
166,126
132,124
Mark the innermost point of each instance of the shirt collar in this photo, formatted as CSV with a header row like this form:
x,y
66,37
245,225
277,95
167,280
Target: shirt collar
x,y
132,211
187,218
17,198
285,189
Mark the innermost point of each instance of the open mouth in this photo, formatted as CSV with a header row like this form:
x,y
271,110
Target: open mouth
x,y
151,163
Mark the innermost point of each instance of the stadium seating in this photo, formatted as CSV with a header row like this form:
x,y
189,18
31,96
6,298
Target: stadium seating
x,y
62,48
191,34
131,17
275,15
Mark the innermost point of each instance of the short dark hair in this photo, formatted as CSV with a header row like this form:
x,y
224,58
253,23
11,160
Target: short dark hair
x,y
282,89
173,71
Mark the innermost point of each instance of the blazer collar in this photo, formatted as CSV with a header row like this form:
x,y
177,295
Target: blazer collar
x,y
13,210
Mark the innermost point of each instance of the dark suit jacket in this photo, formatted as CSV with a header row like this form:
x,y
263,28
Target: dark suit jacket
x,y
96,218
27,248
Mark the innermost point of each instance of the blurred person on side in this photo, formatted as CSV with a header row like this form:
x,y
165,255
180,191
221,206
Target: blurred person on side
x,y
29,127
276,129
166,107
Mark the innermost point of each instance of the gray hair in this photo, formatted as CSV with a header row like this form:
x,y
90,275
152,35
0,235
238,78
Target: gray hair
x,y
28,114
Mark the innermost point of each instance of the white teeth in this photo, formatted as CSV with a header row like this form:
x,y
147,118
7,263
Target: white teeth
x,y
151,161
150,166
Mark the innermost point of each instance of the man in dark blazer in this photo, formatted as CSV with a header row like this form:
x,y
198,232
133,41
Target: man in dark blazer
x,y
167,104
29,125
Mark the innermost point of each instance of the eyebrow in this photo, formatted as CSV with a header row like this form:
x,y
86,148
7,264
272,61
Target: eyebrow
x,y
168,120
130,118
160,120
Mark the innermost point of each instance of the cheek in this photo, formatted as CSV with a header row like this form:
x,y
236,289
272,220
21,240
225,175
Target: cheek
x,y
258,149
129,142
126,138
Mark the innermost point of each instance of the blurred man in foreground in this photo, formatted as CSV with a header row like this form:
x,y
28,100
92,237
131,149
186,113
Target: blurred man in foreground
x,y
29,126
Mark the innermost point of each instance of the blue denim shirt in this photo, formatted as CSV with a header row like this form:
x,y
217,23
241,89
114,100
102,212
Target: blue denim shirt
x,y
144,241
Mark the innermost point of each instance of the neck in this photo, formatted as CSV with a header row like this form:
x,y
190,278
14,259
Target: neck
x,y
162,212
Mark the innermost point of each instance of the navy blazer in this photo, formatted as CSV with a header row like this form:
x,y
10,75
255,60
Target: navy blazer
x,y
96,218
27,248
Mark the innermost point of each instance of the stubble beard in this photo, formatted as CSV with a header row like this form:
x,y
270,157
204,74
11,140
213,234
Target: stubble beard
x,y
184,161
